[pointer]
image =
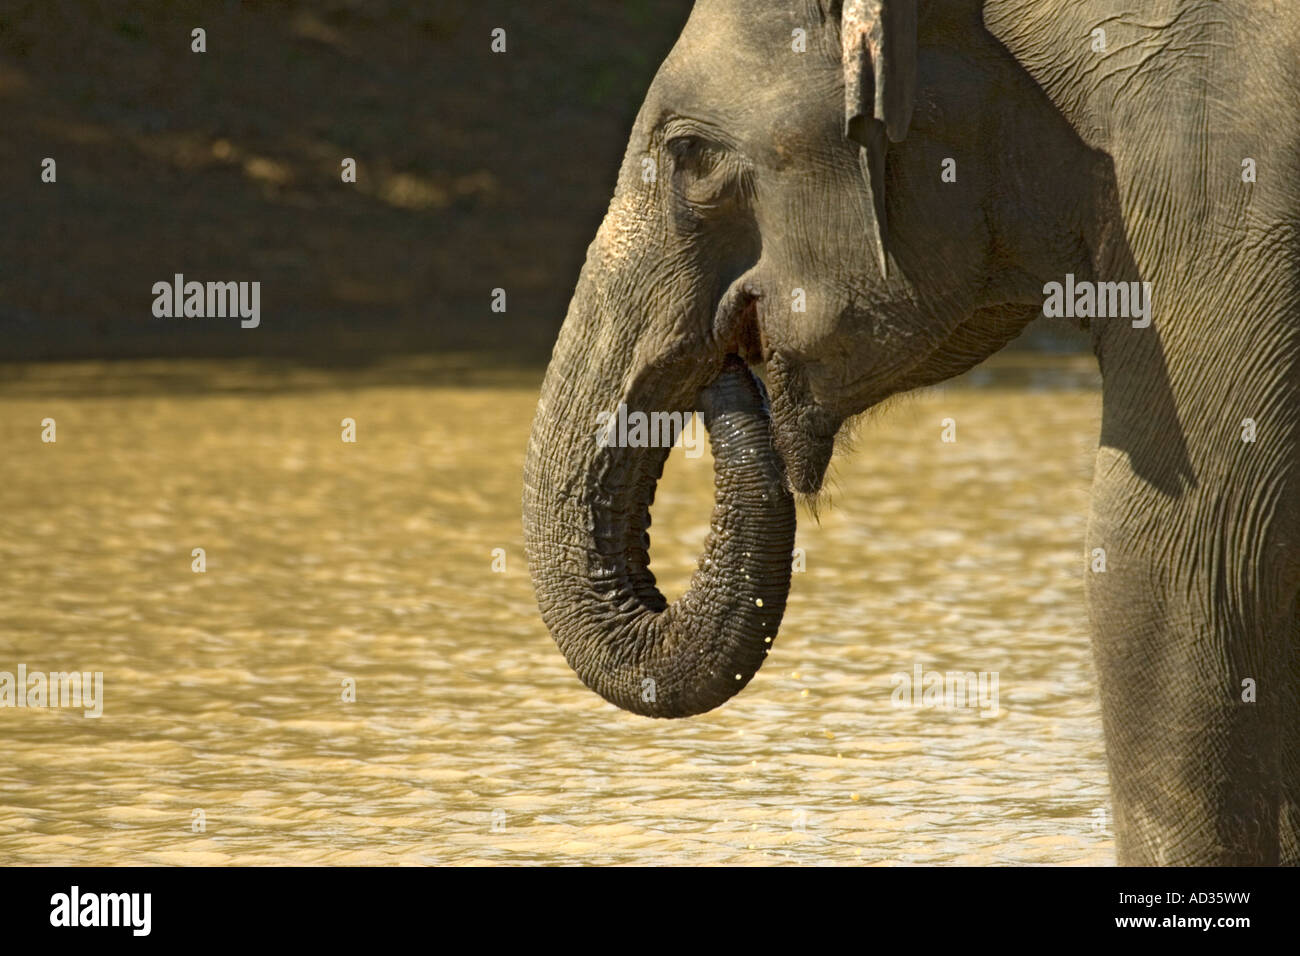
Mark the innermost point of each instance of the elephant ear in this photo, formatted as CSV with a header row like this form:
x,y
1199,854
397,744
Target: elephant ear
x,y
879,51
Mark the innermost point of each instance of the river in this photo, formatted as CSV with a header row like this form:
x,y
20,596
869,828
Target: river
x,y
369,569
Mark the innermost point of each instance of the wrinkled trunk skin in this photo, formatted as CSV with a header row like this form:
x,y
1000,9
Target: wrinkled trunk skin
x,y
586,515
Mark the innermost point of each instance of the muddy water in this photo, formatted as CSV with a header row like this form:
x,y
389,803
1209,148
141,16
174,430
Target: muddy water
x,y
225,736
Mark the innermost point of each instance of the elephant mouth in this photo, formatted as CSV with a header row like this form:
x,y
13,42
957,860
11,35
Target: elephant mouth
x,y
803,432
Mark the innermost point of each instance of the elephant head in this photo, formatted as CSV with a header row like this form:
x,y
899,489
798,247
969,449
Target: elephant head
x,y
780,205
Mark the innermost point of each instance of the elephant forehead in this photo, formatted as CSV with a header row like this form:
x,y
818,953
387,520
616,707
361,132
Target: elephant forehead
x,y
750,44
739,64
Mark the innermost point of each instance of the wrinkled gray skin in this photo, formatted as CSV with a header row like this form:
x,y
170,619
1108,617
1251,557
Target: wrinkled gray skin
x,y
1124,165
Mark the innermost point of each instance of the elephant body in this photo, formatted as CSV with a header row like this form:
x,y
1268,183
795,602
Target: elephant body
x,y
921,174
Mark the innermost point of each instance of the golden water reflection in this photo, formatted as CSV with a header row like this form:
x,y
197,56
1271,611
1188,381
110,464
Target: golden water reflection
x,y
470,741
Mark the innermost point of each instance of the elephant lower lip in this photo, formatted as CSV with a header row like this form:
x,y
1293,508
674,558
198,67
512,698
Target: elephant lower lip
x,y
806,468
803,429
805,443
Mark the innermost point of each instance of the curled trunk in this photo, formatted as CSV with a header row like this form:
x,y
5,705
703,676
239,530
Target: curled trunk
x,y
586,516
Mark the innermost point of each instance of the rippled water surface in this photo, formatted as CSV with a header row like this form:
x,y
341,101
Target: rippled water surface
x,y
469,740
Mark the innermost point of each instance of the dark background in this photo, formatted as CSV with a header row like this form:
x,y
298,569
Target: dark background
x,y
475,170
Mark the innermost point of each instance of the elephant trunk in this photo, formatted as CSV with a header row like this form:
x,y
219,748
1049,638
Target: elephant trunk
x,y
586,516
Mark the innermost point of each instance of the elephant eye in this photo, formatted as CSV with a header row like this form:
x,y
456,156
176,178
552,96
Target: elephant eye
x,y
679,146
704,171
689,153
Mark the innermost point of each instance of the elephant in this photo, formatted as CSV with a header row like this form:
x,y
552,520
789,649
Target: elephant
x,y
923,177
